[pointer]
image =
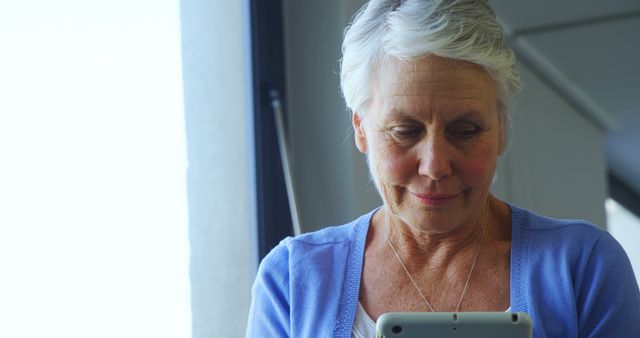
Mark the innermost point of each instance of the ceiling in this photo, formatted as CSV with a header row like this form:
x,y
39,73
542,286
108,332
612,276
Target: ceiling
x,y
588,51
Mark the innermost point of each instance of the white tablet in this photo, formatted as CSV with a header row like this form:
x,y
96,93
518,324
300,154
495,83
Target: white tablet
x,y
454,324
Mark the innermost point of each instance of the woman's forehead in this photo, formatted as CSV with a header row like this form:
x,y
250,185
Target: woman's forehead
x,y
432,73
433,83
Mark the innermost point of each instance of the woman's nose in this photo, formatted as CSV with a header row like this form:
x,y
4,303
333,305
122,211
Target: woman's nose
x,y
435,158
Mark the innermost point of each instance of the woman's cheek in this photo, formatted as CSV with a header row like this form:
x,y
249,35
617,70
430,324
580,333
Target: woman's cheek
x,y
478,172
395,164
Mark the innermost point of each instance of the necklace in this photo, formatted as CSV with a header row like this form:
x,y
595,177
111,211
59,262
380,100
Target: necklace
x,y
415,285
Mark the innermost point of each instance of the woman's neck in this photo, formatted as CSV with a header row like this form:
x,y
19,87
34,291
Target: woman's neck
x,y
424,248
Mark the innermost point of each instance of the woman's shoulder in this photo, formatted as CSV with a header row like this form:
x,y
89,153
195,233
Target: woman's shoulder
x,y
533,222
562,266
334,234
335,238
565,234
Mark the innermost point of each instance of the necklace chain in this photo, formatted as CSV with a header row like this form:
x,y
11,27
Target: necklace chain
x,y
415,285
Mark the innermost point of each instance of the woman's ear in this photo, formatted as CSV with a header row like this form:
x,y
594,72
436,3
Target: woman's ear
x,y
502,132
502,142
358,128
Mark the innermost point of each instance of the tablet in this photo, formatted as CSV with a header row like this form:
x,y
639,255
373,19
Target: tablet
x,y
454,324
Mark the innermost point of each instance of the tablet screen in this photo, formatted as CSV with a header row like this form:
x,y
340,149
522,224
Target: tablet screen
x,y
454,324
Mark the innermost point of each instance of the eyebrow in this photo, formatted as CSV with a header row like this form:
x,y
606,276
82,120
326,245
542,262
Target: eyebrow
x,y
400,114
396,115
468,113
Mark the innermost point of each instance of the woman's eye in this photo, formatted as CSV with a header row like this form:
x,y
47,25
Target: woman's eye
x,y
405,132
463,130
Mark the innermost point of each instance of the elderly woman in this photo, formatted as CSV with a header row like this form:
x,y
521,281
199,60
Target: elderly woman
x,y
430,84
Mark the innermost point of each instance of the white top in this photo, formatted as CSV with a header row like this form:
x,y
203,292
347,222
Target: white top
x,y
365,327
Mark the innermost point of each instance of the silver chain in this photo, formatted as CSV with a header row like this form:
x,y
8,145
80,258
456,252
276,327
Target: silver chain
x,y
466,284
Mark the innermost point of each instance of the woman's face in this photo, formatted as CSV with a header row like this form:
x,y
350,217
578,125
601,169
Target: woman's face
x,y
432,135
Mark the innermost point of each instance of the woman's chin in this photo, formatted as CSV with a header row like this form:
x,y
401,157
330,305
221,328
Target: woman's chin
x,y
438,220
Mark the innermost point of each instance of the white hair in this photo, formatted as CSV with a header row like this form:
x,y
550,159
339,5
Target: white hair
x,y
410,29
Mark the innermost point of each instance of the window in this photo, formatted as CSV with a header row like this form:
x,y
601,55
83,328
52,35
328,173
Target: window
x,y
93,209
625,227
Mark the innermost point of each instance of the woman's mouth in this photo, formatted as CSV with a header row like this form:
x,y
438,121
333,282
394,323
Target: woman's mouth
x,y
435,199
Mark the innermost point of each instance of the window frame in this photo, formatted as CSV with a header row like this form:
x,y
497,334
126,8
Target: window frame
x,y
267,48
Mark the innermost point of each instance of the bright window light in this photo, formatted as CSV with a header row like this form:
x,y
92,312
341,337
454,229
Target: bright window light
x,y
93,209
625,227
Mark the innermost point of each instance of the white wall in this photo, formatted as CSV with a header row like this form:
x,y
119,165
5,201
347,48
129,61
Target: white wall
x,y
330,174
219,129
555,164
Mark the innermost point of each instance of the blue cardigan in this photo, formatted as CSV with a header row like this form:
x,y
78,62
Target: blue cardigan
x,y
571,277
